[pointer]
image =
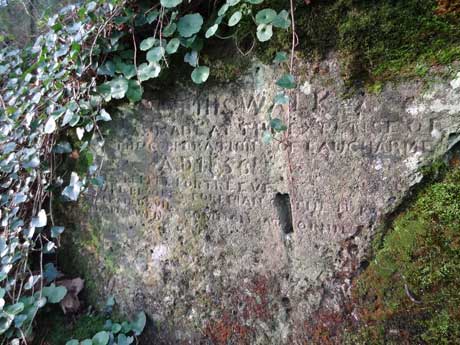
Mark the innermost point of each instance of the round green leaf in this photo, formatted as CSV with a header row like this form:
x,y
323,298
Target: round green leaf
x,y
118,87
56,231
15,309
169,30
264,32
190,24
286,81
155,54
128,71
138,323
50,125
267,137
170,3
282,20
147,43
277,125
72,342
265,16
86,342
255,2
55,294
200,74
191,58
223,10
235,18
148,71
211,31
172,46
134,93
101,338
5,322
116,327
281,98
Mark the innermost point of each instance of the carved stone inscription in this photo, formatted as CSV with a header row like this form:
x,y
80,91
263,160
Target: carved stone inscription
x,y
195,203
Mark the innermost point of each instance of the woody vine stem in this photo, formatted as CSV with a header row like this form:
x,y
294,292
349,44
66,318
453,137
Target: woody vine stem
x,y
287,141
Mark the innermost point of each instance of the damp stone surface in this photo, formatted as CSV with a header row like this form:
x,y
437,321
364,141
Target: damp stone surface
x,y
219,236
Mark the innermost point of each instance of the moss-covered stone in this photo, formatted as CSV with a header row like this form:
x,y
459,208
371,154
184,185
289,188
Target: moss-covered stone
x,y
382,39
409,292
55,328
377,40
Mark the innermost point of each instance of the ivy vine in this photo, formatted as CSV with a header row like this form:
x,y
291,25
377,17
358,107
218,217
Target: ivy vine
x,y
54,95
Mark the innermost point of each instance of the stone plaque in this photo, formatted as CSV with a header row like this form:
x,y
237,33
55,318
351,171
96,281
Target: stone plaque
x,y
207,228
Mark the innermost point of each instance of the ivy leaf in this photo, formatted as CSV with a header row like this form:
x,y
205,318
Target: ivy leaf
x,y
265,16
190,24
170,3
5,323
148,71
286,81
223,10
280,57
277,125
147,43
15,309
18,322
281,98
152,16
31,282
211,31
128,70
191,58
264,32
122,340
116,327
235,18
49,248
172,46
39,221
72,191
104,116
187,42
200,74
80,132
282,20
169,30
72,342
62,147
138,323
50,272
55,294
107,69
118,87
56,231
134,93
104,91
91,6
155,54
267,137
101,338
50,125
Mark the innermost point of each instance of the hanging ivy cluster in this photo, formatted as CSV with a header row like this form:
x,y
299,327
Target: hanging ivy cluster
x,y
55,93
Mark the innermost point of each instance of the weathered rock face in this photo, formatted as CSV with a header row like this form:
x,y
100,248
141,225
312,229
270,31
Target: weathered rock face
x,y
217,235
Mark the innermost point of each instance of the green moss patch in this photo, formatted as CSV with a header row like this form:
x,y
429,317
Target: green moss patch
x,y
376,40
57,328
409,293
